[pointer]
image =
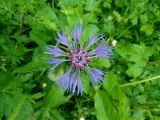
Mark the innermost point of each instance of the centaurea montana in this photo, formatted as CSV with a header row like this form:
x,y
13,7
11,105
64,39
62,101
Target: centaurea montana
x,y
78,58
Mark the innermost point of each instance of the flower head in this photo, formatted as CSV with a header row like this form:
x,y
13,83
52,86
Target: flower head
x,y
78,58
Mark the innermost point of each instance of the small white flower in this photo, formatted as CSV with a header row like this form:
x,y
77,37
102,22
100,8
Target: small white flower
x,y
82,118
114,42
44,85
110,17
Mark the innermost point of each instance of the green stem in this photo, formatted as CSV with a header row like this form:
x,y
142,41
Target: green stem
x,y
78,106
138,82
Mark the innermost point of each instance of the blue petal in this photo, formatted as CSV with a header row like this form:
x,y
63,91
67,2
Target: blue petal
x,y
55,62
64,81
62,38
77,86
103,51
79,32
72,81
96,76
76,34
93,39
68,82
53,50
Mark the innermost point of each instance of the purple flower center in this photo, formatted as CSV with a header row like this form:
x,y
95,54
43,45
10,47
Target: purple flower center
x,y
79,58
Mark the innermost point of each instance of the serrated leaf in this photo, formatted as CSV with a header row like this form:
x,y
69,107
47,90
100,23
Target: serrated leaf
x,y
138,55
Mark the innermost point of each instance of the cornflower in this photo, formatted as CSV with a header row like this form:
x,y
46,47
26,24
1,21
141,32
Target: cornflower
x,y
78,58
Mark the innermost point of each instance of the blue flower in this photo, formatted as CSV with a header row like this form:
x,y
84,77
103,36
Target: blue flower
x,y
78,59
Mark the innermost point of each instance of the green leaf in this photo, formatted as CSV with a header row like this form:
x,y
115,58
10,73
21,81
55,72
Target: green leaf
x,y
107,3
101,63
109,27
134,70
12,97
141,99
69,3
134,17
134,20
111,84
138,114
30,67
13,52
72,20
124,108
56,115
147,28
44,18
2,41
104,107
39,37
36,95
17,108
90,18
25,111
137,57
143,18
53,75
117,15
55,97
121,3
37,64
90,5
86,82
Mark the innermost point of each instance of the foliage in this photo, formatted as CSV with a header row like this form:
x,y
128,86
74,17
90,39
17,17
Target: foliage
x,y
27,89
